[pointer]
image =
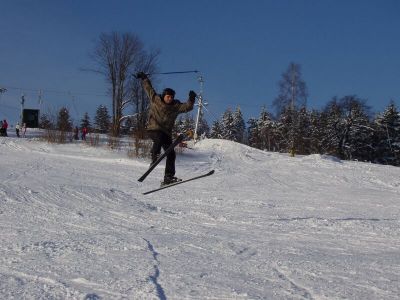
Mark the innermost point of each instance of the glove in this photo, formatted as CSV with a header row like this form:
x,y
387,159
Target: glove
x,y
141,75
192,96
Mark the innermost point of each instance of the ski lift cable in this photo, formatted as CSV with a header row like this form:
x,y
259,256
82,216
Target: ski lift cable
x,y
169,73
175,72
56,91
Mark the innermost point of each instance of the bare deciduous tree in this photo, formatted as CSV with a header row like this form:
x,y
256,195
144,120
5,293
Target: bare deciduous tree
x,y
118,56
292,90
292,97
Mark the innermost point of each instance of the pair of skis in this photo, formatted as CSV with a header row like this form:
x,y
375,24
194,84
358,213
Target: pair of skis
x,y
178,140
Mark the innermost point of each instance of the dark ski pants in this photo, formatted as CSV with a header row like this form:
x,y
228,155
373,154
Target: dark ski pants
x,y
162,140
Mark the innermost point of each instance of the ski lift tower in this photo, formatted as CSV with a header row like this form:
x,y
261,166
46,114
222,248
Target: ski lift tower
x,y
2,90
200,105
21,116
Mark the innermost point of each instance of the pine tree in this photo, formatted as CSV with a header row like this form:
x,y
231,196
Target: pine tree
x,y
266,127
316,131
287,130
387,149
85,122
184,124
216,130
238,125
253,133
63,120
102,120
227,126
45,122
333,129
357,138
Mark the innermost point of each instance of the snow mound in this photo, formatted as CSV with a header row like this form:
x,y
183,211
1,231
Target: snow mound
x,y
229,155
74,224
321,157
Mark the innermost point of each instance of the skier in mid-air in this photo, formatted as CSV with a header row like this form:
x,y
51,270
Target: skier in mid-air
x,y
164,109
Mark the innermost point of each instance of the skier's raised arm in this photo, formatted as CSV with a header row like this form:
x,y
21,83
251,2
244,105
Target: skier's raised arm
x,y
147,86
188,106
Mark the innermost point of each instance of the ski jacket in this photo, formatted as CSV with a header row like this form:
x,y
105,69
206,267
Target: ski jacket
x,y
162,116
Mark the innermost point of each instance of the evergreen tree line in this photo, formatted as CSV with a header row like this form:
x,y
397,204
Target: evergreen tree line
x,y
344,128
63,122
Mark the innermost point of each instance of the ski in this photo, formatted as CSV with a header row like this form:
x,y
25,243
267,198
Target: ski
x,y
178,140
179,182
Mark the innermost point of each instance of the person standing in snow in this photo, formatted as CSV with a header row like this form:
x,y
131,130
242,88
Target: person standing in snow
x,y
84,132
76,133
23,130
4,127
164,109
17,128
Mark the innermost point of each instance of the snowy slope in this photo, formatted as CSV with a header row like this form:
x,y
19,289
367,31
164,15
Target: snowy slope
x,y
75,225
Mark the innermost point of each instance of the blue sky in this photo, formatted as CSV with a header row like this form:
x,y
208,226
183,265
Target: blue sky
x,y
241,49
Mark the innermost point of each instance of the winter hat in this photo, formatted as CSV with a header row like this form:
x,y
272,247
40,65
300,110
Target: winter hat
x,y
168,91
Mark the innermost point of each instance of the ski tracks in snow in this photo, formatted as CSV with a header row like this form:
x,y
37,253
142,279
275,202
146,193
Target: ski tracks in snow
x,y
154,278
290,287
74,225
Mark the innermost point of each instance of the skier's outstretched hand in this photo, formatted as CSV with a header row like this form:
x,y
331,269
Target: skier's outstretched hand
x,y
141,75
192,96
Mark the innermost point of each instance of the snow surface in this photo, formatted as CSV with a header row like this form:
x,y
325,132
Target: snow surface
x,y
75,225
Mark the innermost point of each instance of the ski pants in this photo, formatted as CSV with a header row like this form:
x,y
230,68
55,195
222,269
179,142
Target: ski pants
x,y
162,140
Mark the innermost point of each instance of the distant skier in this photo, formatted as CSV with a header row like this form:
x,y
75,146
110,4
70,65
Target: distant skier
x,y
84,132
24,130
76,133
17,128
164,109
4,127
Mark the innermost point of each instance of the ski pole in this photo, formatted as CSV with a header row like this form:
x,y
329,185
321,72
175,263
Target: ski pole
x,y
176,72
168,73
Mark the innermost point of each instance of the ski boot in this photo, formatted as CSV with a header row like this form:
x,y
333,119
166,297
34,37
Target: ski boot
x,y
169,180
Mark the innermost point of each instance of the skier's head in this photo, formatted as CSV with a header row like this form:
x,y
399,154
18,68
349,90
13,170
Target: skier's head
x,y
168,95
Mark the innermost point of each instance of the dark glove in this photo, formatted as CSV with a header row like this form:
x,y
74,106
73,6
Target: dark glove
x,y
192,96
141,75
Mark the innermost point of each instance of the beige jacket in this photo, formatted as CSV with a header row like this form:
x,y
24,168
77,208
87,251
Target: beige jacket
x,y
162,116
